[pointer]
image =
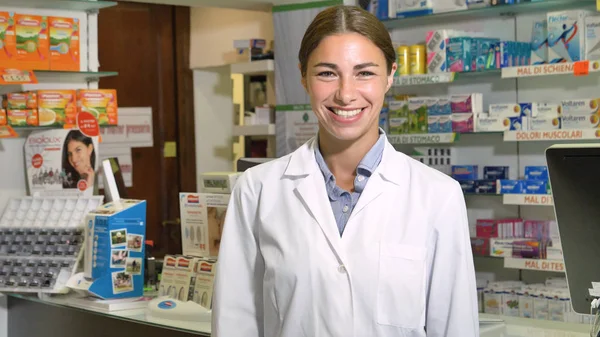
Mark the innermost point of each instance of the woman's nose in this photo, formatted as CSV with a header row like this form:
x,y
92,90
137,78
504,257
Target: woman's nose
x,y
346,92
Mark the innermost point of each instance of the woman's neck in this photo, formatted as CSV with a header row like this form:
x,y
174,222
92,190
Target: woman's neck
x,y
343,157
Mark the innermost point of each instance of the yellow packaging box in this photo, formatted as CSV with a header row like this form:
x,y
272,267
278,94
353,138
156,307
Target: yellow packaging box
x,y
3,120
101,103
19,100
57,107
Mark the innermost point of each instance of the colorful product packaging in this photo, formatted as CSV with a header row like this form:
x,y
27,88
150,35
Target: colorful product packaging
x,y
485,55
480,246
445,123
495,172
486,228
544,116
470,103
459,54
485,186
592,38
467,186
8,52
539,43
102,103
64,44
536,173
417,115
57,107
465,172
535,186
463,122
115,251
3,120
566,36
32,42
505,186
410,8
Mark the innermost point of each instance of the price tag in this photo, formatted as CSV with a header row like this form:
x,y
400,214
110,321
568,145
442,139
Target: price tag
x,y
88,124
15,76
6,131
581,68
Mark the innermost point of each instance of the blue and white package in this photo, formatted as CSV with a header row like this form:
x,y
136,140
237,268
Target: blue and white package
x,y
433,124
535,186
468,186
495,172
445,123
539,43
458,54
505,186
536,173
380,8
465,172
566,36
410,8
506,54
485,186
114,253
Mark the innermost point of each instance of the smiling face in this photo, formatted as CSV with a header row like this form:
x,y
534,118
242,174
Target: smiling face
x,y
79,155
346,79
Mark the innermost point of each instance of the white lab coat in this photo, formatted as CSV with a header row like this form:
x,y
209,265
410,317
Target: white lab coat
x,y
403,266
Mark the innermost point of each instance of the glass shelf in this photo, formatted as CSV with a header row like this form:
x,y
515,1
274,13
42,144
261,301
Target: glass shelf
x,y
45,76
441,78
75,5
491,11
133,315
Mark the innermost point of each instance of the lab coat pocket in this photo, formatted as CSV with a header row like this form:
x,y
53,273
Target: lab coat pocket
x,y
401,285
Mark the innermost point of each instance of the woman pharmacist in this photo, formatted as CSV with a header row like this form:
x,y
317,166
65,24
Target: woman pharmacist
x,y
346,237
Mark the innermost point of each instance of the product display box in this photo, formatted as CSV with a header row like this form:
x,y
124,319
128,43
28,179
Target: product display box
x,y
32,42
50,170
114,249
64,44
202,220
188,279
566,36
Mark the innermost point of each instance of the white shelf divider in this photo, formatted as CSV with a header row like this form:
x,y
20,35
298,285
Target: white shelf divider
x,y
567,68
557,266
552,135
423,138
528,199
261,67
254,130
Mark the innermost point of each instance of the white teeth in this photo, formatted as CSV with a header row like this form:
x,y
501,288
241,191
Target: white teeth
x,y
347,113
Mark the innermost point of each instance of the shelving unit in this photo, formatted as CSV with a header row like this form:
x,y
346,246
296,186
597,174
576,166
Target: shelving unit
x,y
424,138
487,12
254,130
262,67
74,5
48,76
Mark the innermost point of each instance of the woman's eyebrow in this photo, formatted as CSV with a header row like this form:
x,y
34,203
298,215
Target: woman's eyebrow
x,y
356,67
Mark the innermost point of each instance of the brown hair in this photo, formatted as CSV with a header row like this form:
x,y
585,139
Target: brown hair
x,y
346,19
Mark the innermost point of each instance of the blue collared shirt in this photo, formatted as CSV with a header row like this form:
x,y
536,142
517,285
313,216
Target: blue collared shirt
x,y
343,202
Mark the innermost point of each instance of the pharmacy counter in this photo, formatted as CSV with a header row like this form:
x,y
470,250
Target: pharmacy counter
x,y
28,315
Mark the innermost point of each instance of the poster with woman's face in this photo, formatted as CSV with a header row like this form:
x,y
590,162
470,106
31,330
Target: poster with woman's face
x,y
61,161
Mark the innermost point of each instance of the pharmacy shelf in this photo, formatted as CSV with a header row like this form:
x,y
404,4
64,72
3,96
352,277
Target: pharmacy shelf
x,y
580,68
424,138
439,78
49,76
74,5
552,135
527,327
491,11
254,130
261,67
557,266
528,199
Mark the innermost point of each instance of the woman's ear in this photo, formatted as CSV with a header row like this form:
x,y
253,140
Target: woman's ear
x,y
302,78
391,75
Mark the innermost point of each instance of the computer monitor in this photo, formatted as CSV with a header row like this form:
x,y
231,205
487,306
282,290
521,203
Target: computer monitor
x,y
575,183
245,163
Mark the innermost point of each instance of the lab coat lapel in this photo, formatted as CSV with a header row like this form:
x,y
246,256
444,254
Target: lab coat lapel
x,y
388,173
312,192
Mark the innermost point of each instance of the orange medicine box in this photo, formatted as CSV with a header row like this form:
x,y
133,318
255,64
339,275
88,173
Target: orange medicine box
x,y
3,120
64,44
20,101
100,103
32,42
22,118
8,40
57,107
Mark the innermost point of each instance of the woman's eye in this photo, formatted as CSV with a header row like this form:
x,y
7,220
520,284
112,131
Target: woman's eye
x,y
326,74
366,73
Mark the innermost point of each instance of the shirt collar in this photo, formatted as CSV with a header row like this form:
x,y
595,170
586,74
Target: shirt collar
x,y
366,166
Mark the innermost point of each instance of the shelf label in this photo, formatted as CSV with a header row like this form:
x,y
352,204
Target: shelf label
x,y
424,79
15,76
575,134
581,68
426,138
539,70
545,265
535,199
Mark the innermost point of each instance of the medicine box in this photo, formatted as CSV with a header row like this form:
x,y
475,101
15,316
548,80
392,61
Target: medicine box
x,y
397,108
433,124
486,228
566,36
495,172
485,186
444,106
539,43
463,122
501,247
536,173
218,182
480,246
465,172
202,219
188,279
505,186
382,9
592,38
467,186
459,54
114,249
410,8
445,124
488,123
535,186
485,54
417,115
587,106
511,303
569,121
470,103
